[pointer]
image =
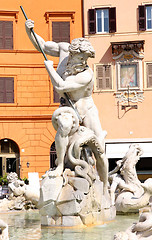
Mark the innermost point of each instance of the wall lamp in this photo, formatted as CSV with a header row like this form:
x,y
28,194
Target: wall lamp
x,y
27,164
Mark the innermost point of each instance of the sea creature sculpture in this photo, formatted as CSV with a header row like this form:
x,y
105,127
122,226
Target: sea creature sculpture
x,y
131,194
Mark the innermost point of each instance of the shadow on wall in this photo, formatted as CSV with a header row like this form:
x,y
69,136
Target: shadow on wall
x,y
107,57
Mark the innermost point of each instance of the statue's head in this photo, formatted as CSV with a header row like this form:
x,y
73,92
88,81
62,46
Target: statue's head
x,y
81,45
134,153
12,176
80,50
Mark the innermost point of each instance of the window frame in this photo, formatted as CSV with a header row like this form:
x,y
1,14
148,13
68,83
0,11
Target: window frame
x,y
92,20
5,36
138,63
10,16
96,89
59,26
15,89
146,75
102,20
68,16
142,15
148,29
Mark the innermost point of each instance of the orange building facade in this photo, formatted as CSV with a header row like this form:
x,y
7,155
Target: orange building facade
x,y
121,33
26,93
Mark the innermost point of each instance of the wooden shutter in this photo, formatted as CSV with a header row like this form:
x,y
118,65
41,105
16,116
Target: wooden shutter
x,y
61,31
92,21
149,75
99,77
1,34
112,20
2,90
6,35
56,98
65,31
142,17
9,84
6,90
108,82
103,77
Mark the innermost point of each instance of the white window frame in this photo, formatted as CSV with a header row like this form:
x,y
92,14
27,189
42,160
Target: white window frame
x,y
102,20
146,76
139,74
148,29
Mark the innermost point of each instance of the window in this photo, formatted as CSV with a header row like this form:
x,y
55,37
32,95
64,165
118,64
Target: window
x,y
6,90
6,35
102,20
103,77
149,75
61,31
53,155
149,17
145,17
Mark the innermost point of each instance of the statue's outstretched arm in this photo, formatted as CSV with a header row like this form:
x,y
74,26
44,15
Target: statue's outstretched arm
x,y
50,48
72,83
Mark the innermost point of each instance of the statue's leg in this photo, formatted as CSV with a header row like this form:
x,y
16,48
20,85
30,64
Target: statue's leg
x,y
92,122
102,169
113,188
61,143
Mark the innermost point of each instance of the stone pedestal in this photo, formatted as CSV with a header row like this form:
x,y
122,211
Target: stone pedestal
x,y
75,204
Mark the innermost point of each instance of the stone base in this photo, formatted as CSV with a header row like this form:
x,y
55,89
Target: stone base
x,y
75,204
64,221
94,218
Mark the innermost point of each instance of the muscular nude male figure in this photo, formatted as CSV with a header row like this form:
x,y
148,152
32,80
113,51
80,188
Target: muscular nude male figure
x,y
74,77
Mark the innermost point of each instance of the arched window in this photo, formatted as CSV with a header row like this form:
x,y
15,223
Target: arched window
x,y
9,157
53,155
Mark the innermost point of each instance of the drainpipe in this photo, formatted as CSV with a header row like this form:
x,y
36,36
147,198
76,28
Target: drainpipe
x,y
83,25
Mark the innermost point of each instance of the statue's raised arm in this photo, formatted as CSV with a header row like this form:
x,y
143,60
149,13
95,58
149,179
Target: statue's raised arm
x,y
53,47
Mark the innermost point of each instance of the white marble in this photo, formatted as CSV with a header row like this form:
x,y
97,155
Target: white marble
x,y
131,193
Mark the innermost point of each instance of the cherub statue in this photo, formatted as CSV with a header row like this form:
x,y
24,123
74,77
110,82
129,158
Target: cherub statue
x,y
16,186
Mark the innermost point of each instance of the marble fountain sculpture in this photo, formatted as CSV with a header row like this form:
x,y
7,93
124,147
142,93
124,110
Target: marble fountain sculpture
x,y
76,192
21,196
3,230
128,194
142,230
